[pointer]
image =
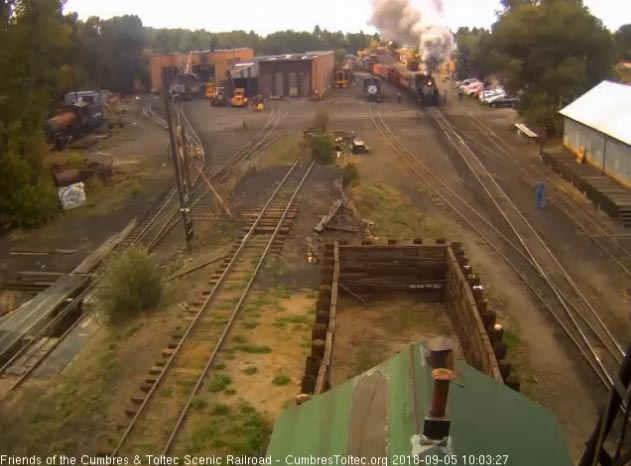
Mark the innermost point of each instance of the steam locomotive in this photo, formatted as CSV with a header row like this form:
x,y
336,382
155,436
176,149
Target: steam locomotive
x,y
422,87
372,89
75,118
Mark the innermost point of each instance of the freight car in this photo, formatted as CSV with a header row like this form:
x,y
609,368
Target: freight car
x,y
372,89
73,121
369,62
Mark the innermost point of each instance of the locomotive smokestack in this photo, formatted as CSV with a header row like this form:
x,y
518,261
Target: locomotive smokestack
x,y
399,20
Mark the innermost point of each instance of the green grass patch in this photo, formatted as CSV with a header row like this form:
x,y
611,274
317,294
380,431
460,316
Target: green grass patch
x,y
219,365
250,370
280,292
166,392
254,349
250,324
220,409
281,380
186,382
198,403
230,391
393,214
293,319
240,339
219,382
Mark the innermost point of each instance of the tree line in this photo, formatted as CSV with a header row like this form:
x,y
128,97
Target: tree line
x,y
46,53
548,51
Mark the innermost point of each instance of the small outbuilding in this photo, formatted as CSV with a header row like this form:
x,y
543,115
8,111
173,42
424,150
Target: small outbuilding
x,y
597,129
296,75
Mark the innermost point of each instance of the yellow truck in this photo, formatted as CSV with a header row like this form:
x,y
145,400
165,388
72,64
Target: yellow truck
x,y
239,99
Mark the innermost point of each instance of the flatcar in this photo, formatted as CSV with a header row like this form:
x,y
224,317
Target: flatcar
x,y
372,89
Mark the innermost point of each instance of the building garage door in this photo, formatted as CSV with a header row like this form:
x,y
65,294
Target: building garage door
x,y
303,84
279,84
266,84
293,84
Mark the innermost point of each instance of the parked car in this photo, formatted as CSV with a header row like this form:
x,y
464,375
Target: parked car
x,y
485,96
503,101
463,84
474,88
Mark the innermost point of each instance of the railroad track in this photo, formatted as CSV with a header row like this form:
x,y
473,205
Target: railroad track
x,y
157,421
608,240
522,248
151,228
167,218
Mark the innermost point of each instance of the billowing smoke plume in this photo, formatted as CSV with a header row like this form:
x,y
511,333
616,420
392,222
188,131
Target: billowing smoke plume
x,y
399,20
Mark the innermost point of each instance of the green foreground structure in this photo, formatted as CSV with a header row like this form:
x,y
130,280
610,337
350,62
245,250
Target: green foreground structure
x,y
380,416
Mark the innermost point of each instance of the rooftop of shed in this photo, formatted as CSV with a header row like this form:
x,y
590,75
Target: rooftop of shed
x,y
381,413
605,108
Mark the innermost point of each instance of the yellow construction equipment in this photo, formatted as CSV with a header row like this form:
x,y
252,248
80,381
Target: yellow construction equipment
x,y
210,90
239,99
341,78
257,103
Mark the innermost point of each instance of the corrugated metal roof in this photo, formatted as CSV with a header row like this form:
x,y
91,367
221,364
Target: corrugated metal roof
x,y
295,56
381,413
605,108
244,70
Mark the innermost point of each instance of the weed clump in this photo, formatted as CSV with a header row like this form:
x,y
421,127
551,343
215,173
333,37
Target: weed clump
x,y
322,149
321,122
132,283
254,349
219,382
350,175
250,370
281,380
198,403
219,409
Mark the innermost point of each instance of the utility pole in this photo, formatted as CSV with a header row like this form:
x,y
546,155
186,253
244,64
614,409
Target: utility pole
x,y
185,205
185,156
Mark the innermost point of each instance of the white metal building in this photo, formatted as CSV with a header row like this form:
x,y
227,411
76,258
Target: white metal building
x,y
598,128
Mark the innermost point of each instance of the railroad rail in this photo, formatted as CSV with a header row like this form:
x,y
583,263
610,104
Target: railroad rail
x,y
500,152
162,222
197,348
514,245
155,223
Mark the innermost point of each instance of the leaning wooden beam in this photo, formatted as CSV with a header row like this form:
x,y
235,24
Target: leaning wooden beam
x,y
93,260
344,229
219,199
42,252
193,269
352,293
327,218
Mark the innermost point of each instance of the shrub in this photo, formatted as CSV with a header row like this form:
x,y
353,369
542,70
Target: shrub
x,y
321,122
94,185
322,149
350,175
281,380
132,283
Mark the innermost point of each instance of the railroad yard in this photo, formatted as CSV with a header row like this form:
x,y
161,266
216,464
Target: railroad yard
x,y
252,311
283,276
